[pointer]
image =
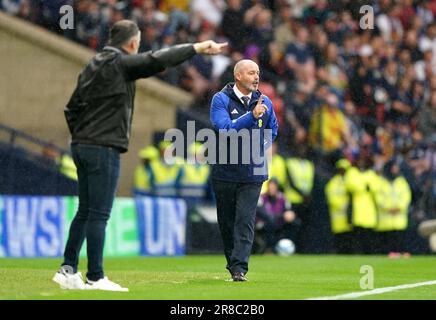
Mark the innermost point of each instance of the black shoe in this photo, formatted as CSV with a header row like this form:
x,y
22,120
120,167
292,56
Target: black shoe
x,y
239,276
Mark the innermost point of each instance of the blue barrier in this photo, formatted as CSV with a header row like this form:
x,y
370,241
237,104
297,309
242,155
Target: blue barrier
x,y
37,226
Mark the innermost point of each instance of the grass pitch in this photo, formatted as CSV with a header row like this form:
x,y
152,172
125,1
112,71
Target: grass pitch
x,y
204,277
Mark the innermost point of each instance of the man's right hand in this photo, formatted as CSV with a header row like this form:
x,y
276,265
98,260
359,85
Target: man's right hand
x,y
259,109
209,47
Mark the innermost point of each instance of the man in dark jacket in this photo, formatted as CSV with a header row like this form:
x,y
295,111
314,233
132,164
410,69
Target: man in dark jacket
x,y
240,111
99,116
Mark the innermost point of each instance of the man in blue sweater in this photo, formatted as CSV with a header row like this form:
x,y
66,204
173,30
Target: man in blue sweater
x,y
240,112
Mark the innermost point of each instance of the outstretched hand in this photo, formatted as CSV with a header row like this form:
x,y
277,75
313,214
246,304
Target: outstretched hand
x,y
209,47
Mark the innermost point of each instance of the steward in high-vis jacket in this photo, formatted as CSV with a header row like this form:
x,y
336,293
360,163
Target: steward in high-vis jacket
x,y
300,172
276,169
362,185
166,174
393,200
338,201
144,177
194,183
301,175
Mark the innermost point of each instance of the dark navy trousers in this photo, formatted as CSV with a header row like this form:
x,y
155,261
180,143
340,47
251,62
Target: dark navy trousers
x,y
98,169
236,210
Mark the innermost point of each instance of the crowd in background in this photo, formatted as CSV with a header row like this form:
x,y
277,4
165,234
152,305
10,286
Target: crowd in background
x,y
339,91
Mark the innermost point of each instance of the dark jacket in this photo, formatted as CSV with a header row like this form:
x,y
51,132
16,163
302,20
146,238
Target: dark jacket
x,y
227,113
101,107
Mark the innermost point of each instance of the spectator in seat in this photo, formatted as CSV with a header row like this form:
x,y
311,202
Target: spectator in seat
x,y
275,218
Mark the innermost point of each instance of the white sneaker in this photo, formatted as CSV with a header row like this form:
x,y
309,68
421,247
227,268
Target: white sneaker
x,y
69,280
104,284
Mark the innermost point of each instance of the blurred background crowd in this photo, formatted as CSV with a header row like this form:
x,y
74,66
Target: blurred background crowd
x,y
356,107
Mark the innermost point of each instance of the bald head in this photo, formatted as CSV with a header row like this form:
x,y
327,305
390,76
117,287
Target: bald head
x,y
246,73
243,65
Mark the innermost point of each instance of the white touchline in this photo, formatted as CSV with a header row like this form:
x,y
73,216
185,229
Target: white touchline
x,y
359,294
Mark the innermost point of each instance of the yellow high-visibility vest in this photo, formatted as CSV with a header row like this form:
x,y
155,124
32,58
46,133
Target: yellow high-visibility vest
x,y
394,194
363,186
302,172
338,201
68,168
194,180
142,179
165,178
149,152
277,169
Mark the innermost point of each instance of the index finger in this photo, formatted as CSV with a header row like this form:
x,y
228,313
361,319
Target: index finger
x,y
222,45
259,102
216,48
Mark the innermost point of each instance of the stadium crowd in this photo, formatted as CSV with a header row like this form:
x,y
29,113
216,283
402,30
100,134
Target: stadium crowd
x,y
356,107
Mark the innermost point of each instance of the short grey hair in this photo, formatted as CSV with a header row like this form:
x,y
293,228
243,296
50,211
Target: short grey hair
x,y
121,32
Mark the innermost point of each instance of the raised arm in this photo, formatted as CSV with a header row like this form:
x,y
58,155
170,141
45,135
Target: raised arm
x,y
146,64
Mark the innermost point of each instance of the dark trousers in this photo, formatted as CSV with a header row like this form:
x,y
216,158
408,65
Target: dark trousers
x,y
98,169
364,241
304,234
390,241
344,243
236,210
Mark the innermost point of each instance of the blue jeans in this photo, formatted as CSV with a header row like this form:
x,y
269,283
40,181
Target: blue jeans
x,y
98,169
